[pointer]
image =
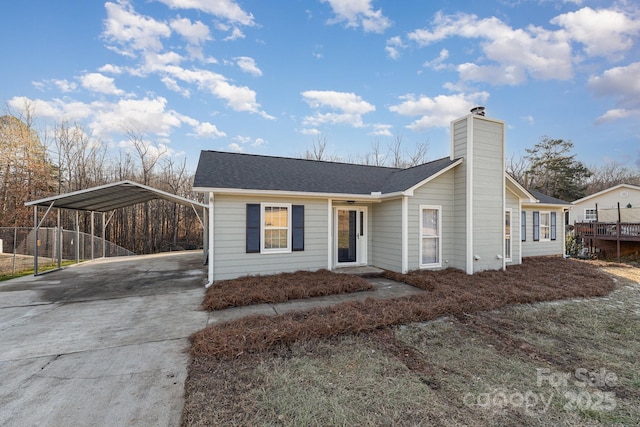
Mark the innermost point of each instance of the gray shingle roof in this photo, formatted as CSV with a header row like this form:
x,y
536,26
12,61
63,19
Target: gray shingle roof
x,y
217,169
547,199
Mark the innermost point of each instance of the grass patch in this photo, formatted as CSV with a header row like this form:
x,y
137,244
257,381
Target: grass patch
x,y
468,368
282,287
30,271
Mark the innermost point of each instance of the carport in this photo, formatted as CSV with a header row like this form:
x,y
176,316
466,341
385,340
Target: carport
x,y
103,200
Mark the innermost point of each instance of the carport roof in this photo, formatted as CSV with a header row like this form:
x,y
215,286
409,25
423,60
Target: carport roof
x,y
108,197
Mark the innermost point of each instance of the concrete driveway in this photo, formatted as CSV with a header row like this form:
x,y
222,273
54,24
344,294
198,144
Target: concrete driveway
x,y
100,344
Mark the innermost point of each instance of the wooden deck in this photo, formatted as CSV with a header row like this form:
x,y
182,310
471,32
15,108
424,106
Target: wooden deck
x,y
623,231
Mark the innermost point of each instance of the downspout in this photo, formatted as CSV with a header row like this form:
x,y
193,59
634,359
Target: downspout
x,y
330,242
210,243
405,234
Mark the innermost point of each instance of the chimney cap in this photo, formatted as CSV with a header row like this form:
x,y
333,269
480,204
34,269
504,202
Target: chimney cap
x,y
479,110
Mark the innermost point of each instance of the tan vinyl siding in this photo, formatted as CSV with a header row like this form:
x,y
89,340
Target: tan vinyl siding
x,y
488,194
459,215
436,193
385,250
543,248
230,257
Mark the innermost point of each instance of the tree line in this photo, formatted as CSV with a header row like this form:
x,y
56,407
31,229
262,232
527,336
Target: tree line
x,y
35,165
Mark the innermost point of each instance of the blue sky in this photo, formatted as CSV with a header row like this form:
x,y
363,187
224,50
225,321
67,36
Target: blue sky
x,y
272,77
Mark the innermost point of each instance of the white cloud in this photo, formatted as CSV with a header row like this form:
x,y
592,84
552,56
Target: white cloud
x,y
96,82
350,108
393,46
438,63
438,111
132,31
235,147
226,9
236,33
241,141
310,131
238,98
106,119
55,109
618,114
515,53
357,13
380,129
65,85
111,69
603,32
173,85
529,119
622,84
207,130
196,33
248,65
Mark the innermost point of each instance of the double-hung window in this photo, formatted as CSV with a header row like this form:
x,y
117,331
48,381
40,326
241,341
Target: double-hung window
x,y
430,236
590,215
545,226
274,228
276,223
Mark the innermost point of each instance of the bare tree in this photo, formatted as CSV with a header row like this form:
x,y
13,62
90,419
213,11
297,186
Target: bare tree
x,y
609,175
318,149
81,161
375,157
401,159
517,168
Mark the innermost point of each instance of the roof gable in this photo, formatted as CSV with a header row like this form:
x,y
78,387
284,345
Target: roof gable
x,y
543,199
610,189
223,170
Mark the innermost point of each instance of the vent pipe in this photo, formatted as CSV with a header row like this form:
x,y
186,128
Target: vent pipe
x,y
478,111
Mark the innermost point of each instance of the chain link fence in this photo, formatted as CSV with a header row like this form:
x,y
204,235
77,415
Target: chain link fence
x,y
17,247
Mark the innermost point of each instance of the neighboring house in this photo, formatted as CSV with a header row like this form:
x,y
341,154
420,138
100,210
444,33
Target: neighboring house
x,y
273,214
606,202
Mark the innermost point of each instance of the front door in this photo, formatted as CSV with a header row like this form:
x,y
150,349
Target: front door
x,y
351,239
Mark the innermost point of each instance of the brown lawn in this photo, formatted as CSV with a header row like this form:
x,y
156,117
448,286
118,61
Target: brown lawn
x,y
377,362
448,292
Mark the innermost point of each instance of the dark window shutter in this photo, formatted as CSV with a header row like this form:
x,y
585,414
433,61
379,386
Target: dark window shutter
x,y
297,223
523,226
253,228
536,226
553,226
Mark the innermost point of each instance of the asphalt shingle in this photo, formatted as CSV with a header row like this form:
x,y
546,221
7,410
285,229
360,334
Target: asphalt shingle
x,y
218,169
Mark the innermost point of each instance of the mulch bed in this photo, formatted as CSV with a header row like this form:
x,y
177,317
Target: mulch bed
x,y
283,287
447,293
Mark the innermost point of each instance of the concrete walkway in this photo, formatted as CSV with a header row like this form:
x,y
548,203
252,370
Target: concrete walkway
x,y
100,344
383,289
106,343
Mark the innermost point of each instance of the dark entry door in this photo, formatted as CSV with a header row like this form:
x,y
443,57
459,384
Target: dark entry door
x,y
347,230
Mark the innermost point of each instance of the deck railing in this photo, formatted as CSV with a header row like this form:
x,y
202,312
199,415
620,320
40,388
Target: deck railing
x,y
608,230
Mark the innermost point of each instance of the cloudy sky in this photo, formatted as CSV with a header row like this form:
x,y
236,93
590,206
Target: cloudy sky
x,y
272,77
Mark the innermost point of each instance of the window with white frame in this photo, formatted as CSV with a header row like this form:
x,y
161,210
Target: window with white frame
x,y
507,235
545,225
590,215
276,223
430,236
